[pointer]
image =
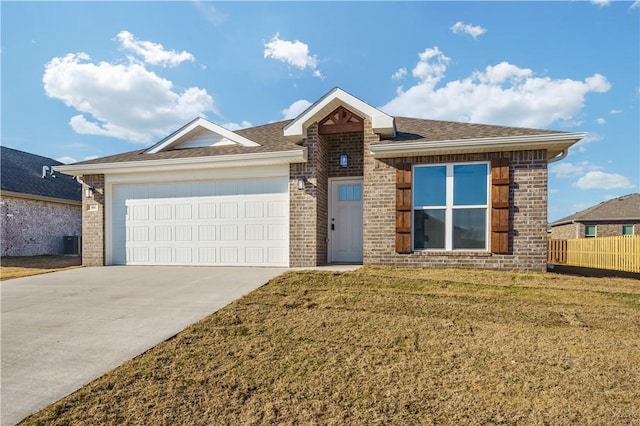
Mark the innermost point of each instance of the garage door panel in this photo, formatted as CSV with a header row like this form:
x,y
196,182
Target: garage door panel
x,y
229,255
201,223
278,209
207,233
207,211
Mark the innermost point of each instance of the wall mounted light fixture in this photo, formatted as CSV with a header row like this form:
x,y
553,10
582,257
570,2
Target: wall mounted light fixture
x,y
302,181
344,160
88,192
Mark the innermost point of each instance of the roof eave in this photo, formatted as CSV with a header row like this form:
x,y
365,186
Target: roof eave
x,y
185,163
381,123
591,220
37,197
554,143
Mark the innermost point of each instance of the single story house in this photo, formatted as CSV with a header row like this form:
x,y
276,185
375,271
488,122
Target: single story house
x,y
618,216
342,182
38,207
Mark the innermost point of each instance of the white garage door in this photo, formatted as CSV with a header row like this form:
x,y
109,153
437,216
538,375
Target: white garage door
x,y
220,222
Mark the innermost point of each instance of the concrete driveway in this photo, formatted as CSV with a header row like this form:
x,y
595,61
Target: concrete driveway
x,y
64,329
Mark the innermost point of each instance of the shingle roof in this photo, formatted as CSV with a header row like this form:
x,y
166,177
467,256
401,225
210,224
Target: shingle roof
x,y
626,207
415,130
269,136
271,139
22,173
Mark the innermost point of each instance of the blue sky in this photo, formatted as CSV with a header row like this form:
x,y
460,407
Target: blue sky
x,y
87,79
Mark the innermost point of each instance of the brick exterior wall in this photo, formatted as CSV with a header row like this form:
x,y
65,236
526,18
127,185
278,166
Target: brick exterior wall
x,y
529,213
351,144
577,230
32,227
308,207
614,229
93,222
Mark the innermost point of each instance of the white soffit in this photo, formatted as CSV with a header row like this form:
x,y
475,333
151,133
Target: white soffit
x,y
199,133
382,123
554,143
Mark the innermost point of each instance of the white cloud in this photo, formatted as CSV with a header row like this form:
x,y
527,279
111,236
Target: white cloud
x,y
295,109
591,137
122,101
473,30
401,73
600,120
236,126
566,170
211,13
635,4
601,3
295,53
499,94
616,111
153,53
602,180
69,160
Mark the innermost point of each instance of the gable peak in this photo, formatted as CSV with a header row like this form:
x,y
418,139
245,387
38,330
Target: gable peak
x,y
199,133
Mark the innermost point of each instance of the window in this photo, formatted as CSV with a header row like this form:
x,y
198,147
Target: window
x,y
627,229
350,192
590,231
450,205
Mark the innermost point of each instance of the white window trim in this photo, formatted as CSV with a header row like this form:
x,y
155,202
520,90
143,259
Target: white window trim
x,y
450,207
633,230
595,231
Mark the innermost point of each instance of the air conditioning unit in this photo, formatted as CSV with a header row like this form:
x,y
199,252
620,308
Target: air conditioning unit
x,y
71,245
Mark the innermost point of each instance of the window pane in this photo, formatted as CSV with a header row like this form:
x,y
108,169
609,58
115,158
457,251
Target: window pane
x,y
347,192
590,231
627,229
357,192
470,184
429,186
469,229
428,229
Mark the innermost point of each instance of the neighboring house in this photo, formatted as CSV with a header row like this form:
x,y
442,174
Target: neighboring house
x,y
618,216
38,207
342,182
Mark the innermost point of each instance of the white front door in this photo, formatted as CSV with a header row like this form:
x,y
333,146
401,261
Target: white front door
x,y
345,220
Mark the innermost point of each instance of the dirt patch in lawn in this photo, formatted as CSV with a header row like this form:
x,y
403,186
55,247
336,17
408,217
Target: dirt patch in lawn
x,y
389,346
19,266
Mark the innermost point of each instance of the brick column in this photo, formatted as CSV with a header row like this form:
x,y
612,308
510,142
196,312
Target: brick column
x,y
308,207
378,202
93,221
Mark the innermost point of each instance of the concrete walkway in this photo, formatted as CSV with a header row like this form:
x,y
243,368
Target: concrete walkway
x,y
65,329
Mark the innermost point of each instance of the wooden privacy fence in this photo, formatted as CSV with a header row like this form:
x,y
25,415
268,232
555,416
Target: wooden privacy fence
x,y
615,253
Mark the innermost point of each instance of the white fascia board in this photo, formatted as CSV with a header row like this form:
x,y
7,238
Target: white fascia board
x,y
203,123
381,122
219,161
555,141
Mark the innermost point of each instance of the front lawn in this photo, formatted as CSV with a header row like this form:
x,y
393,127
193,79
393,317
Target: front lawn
x,y
25,266
389,346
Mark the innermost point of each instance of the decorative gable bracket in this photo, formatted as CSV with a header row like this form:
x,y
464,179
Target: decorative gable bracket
x,y
381,123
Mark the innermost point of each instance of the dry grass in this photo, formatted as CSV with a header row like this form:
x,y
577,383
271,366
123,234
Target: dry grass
x,y
389,346
16,267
